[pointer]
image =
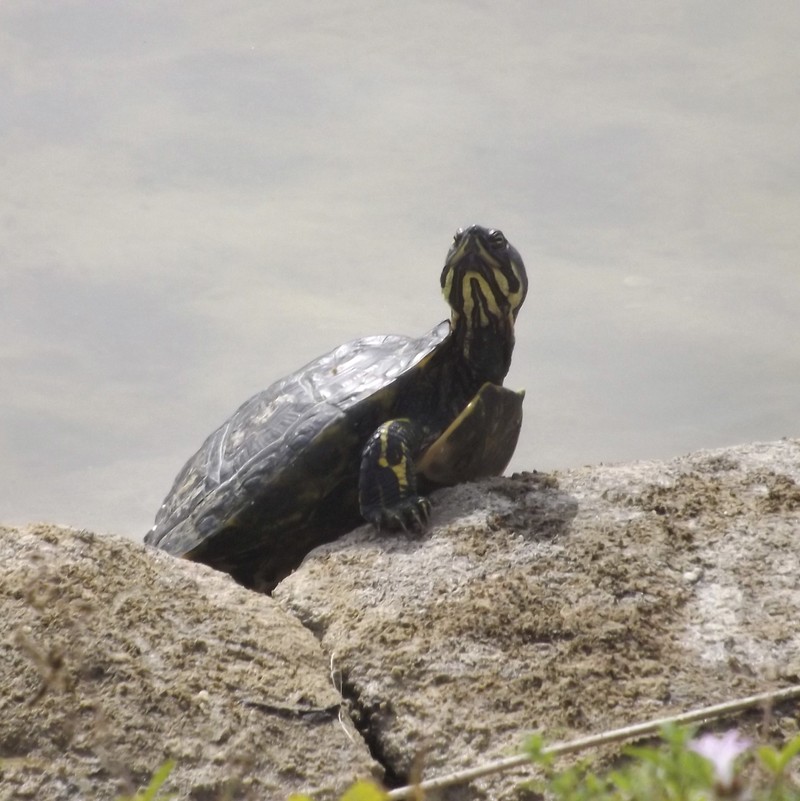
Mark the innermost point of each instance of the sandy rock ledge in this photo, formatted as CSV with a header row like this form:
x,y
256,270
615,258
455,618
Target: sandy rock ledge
x,y
114,658
568,603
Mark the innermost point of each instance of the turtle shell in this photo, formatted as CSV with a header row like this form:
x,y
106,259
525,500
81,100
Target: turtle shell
x,y
290,453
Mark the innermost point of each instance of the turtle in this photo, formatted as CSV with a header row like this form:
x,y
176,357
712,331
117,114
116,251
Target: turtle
x,y
363,433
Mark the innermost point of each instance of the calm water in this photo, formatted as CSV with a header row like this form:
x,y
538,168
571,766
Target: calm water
x,y
197,199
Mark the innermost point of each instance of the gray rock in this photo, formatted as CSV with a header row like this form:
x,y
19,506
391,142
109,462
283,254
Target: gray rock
x,y
568,603
115,658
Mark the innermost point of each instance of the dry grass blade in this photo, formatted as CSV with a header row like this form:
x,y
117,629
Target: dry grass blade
x,y
603,738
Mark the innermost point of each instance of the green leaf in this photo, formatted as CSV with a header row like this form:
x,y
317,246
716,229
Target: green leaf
x,y
151,792
364,790
534,748
770,758
789,752
777,760
622,780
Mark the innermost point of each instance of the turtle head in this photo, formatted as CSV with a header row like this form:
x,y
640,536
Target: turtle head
x,y
485,283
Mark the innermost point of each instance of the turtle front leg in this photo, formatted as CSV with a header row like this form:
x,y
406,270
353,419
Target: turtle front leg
x,y
387,493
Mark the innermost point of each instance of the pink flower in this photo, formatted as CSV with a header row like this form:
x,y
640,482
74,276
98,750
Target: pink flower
x,y
721,751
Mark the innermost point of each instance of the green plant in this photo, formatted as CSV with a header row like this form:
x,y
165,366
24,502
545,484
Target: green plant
x,y
680,768
362,790
153,790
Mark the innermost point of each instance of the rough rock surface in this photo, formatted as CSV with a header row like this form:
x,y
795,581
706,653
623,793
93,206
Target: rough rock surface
x,y
114,658
568,603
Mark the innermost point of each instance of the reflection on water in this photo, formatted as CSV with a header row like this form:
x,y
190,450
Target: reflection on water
x,y
194,204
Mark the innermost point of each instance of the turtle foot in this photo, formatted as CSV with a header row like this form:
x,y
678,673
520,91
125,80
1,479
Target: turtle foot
x,y
410,514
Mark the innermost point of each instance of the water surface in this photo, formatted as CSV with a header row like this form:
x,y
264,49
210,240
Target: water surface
x,y
198,199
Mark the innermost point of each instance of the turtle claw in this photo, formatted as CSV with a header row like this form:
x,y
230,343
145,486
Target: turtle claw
x,y
409,515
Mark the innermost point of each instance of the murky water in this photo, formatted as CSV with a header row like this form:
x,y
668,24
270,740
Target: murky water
x,y
197,200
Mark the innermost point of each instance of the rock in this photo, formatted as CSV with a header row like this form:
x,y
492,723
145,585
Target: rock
x,y
566,603
116,658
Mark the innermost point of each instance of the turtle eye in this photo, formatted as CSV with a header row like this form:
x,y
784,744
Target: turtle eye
x,y
457,235
497,239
